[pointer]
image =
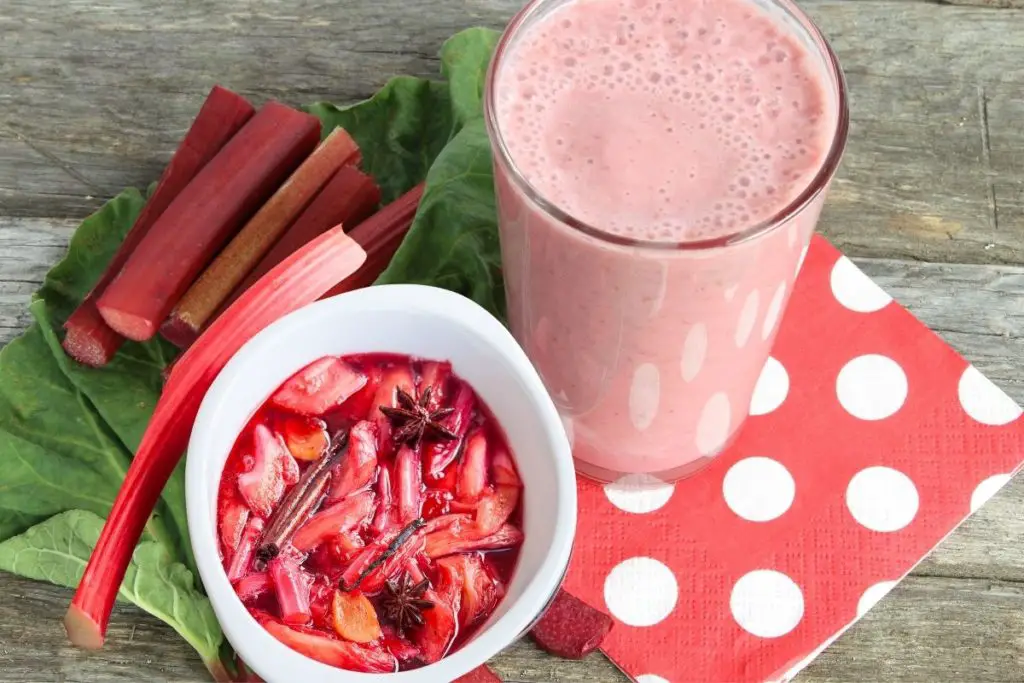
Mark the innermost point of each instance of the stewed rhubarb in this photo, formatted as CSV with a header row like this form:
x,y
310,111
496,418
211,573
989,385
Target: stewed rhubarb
x,y
334,539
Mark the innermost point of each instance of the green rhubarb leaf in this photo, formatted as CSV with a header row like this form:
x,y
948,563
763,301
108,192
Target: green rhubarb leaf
x,y
464,60
57,551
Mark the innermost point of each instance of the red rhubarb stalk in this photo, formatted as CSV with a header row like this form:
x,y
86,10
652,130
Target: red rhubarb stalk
x,y
204,216
386,517
408,472
291,586
472,479
244,251
334,520
300,280
356,469
88,338
245,552
442,543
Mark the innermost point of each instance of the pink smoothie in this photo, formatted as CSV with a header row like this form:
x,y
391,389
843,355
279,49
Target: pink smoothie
x,y
654,123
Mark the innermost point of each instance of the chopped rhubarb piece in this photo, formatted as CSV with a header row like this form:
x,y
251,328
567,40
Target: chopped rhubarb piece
x,y
395,378
338,653
273,470
334,520
347,199
441,454
233,514
481,674
448,542
356,469
460,523
496,507
434,376
355,618
323,384
88,338
237,181
386,518
402,649
240,256
570,628
408,474
480,592
473,469
246,550
306,437
344,547
298,281
380,235
503,470
292,586
253,586
440,625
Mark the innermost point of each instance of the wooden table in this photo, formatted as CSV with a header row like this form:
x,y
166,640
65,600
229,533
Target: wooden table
x,y
94,95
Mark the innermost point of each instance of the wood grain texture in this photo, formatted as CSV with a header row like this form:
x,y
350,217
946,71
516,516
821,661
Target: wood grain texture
x,y
94,95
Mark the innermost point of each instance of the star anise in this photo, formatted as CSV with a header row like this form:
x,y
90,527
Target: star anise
x,y
403,603
413,419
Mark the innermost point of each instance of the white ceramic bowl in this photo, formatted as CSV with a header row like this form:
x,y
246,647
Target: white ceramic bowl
x,y
419,321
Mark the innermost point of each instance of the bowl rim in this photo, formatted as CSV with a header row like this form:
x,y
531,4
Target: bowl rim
x,y
270,658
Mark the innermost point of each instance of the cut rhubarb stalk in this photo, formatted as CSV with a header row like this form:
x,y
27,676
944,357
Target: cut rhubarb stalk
x,y
337,653
395,378
253,586
273,470
246,550
440,454
298,281
350,513
442,543
571,628
347,199
408,474
241,255
237,181
458,523
473,469
355,618
481,674
380,235
291,587
234,514
356,470
434,376
89,339
496,508
306,437
386,518
323,384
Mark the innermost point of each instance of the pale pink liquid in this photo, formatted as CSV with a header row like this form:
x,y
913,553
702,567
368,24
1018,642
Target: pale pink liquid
x,y
655,121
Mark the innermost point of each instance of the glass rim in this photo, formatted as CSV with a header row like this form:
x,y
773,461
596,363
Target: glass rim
x,y
813,188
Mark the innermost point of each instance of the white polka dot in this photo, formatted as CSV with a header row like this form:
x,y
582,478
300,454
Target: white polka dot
x,y
767,603
748,316
644,395
650,678
871,387
855,290
713,425
730,292
694,349
570,433
771,388
987,489
638,493
872,595
882,499
771,316
758,489
803,255
640,591
984,401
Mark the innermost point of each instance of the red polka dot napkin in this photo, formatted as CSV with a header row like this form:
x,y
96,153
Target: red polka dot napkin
x,y
869,441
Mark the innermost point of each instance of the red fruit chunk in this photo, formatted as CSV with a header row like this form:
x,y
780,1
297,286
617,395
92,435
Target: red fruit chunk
x,y
439,455
334,520
386,518
496,507
481,674
409,482
318,387
233,516
571,628
395,378
272,471
401,648
306,437
440,625
472,469
480,592
338,653
449,542
253,586
434,375
355,618
246,549
292,587
356,469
